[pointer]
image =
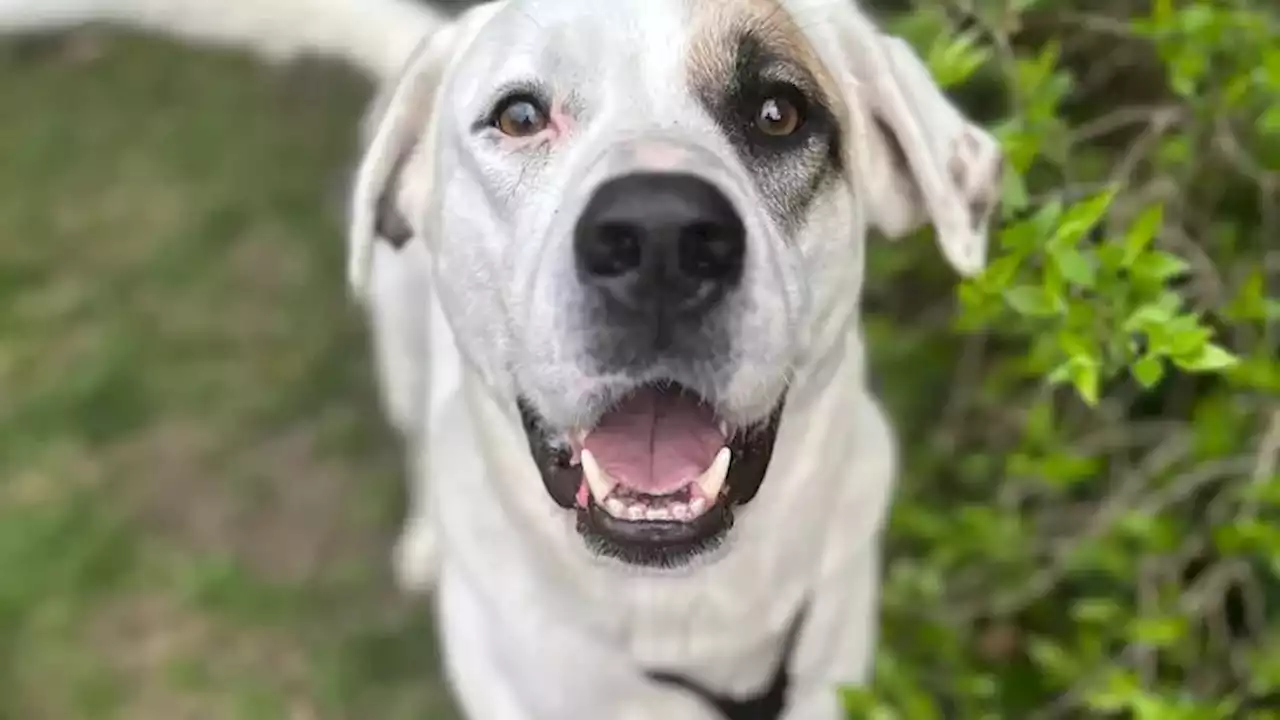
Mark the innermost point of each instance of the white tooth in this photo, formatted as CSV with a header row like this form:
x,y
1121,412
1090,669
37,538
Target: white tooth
x,y
658,513
724,428
597,479
697,506
680,511
712,480
615,507
636,512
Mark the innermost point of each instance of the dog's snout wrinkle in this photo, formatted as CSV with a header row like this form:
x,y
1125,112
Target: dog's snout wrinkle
x,y
660,244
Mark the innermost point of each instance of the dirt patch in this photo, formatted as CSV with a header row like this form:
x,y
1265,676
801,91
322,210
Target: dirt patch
x,y
281,506
175,663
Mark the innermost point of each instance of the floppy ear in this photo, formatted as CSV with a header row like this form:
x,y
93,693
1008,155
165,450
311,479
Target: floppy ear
x,y
398,126
921,159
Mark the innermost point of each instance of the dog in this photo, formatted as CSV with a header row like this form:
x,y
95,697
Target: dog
x,y
611,255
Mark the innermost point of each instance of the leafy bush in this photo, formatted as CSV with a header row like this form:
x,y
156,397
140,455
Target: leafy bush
x,y
1088,524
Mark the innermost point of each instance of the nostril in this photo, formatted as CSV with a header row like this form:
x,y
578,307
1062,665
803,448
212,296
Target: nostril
x,y
709,250
616,249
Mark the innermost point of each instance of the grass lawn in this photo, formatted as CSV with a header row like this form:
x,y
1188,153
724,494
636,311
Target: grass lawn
x,y
197,491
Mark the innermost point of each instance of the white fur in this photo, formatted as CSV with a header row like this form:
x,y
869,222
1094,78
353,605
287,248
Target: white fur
x,y
477,310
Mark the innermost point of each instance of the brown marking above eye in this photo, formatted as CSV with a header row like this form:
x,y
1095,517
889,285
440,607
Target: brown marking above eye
x,y
717,29
520,117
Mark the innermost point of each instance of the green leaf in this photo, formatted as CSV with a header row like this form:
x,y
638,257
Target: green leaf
x,y
1060,374
952,61
1174,150
1013,194
1083,216
1054,660
1187,337
1269,122
1162,13
1117,691
1085,378
1100,611
1141,233
1250,303
1159,266
1033,301
1076,347
1210,358
1148,371
1158,631
1076,267
1148,316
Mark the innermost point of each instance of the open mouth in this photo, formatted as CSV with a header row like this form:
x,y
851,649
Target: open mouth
x,y
655,480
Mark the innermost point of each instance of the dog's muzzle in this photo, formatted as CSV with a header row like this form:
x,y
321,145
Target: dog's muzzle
x,y
661,249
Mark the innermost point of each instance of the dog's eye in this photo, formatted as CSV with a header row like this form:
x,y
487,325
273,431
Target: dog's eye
x,y
520,116
779,116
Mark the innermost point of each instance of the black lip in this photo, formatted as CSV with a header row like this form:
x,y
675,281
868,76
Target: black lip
x,y
651,543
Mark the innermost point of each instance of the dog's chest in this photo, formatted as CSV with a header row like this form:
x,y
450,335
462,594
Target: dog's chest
x,y
724,628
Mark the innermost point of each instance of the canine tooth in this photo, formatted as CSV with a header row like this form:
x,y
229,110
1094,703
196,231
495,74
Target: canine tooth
x,y
724,428
635,512
615,507
597,479
680,511
697,506
712,480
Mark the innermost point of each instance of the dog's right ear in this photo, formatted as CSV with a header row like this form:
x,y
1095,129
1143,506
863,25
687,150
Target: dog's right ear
x,y
922,160
399,125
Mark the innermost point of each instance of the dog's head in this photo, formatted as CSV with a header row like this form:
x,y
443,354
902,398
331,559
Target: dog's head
x,y
646,221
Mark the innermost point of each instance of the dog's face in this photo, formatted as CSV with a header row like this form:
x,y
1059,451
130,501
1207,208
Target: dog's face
x,y
646,217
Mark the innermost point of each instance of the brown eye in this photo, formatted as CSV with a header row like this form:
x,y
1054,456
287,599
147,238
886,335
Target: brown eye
x,y
520,117
778,117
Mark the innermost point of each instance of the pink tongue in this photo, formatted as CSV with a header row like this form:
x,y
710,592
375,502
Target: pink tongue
x,y
656,442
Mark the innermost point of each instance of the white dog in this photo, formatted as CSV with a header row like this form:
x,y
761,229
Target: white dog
x,y
612,254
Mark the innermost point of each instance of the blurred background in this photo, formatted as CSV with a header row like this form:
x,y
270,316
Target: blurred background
x,y
198,493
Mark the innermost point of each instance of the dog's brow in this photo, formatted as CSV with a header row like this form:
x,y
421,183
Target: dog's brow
x,y
722,28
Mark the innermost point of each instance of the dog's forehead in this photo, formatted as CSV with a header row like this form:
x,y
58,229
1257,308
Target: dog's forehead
x,y
697,41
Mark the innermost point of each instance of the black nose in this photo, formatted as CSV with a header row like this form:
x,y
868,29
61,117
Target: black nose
x,y
660,242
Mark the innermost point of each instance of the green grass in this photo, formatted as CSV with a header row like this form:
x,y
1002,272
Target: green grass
x,y
197,491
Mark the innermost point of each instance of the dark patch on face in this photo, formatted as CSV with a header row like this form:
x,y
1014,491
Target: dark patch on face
x,y
790,171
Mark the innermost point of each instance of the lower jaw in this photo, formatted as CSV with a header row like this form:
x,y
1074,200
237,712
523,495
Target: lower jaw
x,y
654,544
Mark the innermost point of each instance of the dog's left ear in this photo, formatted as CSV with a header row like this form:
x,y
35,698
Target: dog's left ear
x,y
919,158
398,126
